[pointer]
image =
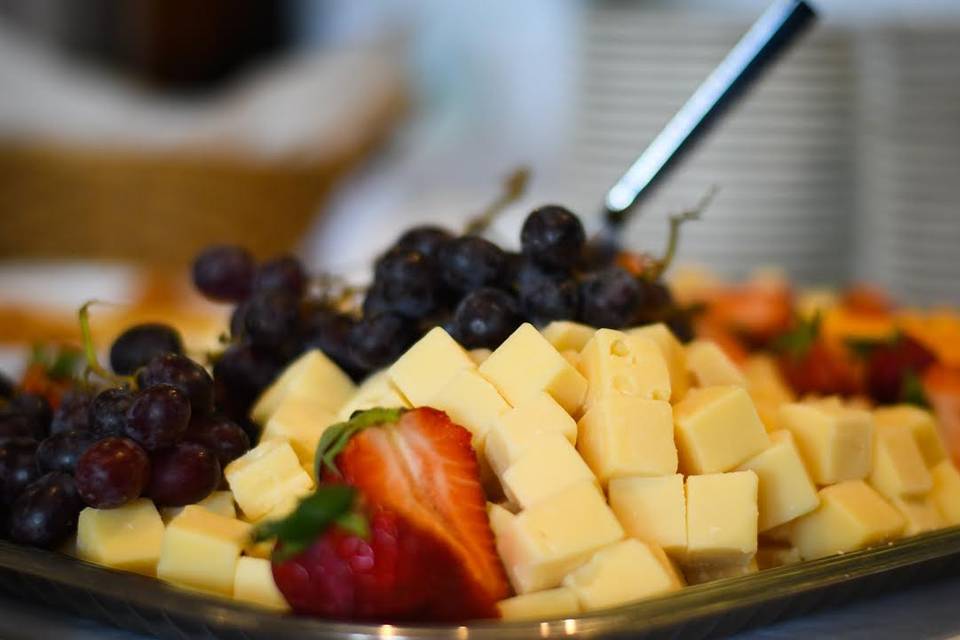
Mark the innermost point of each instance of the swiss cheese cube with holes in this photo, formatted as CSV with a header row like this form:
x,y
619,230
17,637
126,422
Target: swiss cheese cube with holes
x,y
300,422
921,514
266,476
253,583
786,490
540,605
471,402
128,538
201,549
652,509
375,391
614,362
717,428
526,364
899,470
673,353
623,572
219,502
946,491
521,427
428,366
836,442
313,376
920,423
565,335
624,435
721,519
544,469
851,516
710,366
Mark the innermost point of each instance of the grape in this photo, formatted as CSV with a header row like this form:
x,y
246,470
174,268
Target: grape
x,y
223,437
137,345
271,318
406,283
182,475
682,326
14,425
158,417
553,237
281,275
610,298
7,386
224,273
183,373
60,452
238,318
547,295
73,414
471,262
379,340
485,318
242,372
46,512
18,467
328,330
112,472
427,239
108,412
36,409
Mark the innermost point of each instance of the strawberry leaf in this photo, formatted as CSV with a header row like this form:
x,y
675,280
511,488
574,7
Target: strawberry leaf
x,y
328,505
797,342
912,391
336,437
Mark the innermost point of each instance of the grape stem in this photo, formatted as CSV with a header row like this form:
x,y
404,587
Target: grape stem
x,y
677,220
90,352
513,189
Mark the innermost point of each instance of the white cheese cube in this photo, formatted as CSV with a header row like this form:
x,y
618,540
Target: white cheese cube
x,y
717,428
652,509
836,442
314,377
613,361
128,538
301,423
201,550
266,476
673,353
921,515
540,605
721,518
899,470
767,389
253,583
550,465
516,429
428,365
375,391
946,491
471,402
786,490
565,335
219,502
920,423
710,366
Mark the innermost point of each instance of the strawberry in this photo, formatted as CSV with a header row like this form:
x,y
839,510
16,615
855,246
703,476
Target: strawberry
x,y
814,366
892,365
426,553
941,386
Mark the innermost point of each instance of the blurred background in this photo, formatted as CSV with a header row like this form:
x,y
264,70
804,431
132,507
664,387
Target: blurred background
x,y
138,131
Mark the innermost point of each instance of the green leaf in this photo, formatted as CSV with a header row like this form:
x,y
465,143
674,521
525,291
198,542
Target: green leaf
x,y
354,522
312,517
912,391
798,341
335,437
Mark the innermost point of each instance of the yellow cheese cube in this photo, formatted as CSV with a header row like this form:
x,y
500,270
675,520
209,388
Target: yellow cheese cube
x,y
565,335
652,509
549,466
772,556
613,361
313,376
542,544
836,443
520,427
127,538
721,518
541,605
710,366
428,365
786,490
265,477
717,428
851,516
921,515
946,491
628,436
767,388
479,355
301,423
201,549
921,424
471,402
572,357
219,502
375,391
673,353
625,571
526,364
899,470
709,573
253,583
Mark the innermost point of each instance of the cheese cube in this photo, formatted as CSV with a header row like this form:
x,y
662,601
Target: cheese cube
x,y
375,391
572,358
836,442
541,605
709,573
518,428
526,364
673,353
549,466
786,490
612,361
717,428
219,502
920,423
128,538
652,509
767,389
851,516
710,366
946,491
625,571
625,436
542,544
471,402
265,477
301,423
721,518
201,549
428,365
568,336
899,470
313,376
253,583
921,515
772,556
479,355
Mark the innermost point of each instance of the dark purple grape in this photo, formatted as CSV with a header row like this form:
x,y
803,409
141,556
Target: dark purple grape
x,y
7,386
224,273
547,295
108,412
112,472
238,318
158,417
14,425
471,262
281,275
73,414
485,318
681,324
18,467
222,436
46,512
183,474
36,409
553,237
406,283
135,347
427,239
60,452
241,373
183,373
271,318
379,340
329,330
610,298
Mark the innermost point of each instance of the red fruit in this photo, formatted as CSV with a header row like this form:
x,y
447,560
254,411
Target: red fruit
x,y
889,365
821,370
941,384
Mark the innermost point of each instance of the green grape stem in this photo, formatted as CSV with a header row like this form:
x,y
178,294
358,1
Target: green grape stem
x,y
513,189
677,221
90,352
